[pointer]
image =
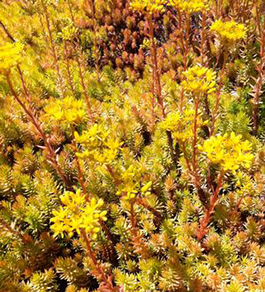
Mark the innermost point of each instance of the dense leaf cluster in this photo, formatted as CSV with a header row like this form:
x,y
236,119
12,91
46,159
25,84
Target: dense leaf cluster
x,y
132,155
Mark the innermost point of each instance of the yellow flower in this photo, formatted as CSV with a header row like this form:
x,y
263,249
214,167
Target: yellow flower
x,y
10,55
199,80
181,124
229,31
77,214
99,144
191,6
68,110
149,6
128,191
230,152
129,185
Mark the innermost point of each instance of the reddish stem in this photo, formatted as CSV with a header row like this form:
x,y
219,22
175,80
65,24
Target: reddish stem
x,y
133,221
70,81
203,230
203,36
155,66
111,172
157,82
194,145
100,271
141,202
52,154
261,70
218,94
94,27
46,15
89,108
185,49
80,174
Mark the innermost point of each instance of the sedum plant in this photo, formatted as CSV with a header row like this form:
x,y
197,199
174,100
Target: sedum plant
x,y
229,152
199,81
132,146
229,31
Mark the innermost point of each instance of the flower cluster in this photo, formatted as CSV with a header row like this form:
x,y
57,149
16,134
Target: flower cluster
x,y
67,110
68,32
191,6
229,31
78,214
228,151
10,55
100,146
149,6
199,80
129,186
181,124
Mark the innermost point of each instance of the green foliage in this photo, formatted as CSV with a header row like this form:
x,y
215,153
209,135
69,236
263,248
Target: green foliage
x,y
41,282
154,111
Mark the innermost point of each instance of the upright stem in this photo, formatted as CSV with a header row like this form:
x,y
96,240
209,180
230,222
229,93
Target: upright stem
x,y
184,48
133,221
43,30
80,174
141,202
7,32
81,76
194,144
23,83
203,230
70,81
155,66
92,3
139,244
186,158
174,156
261,73
71,11
107,282
157,82
183,40
195,134
52,154
187,22
52,44
112,174
153,100
203,35
80,72
217,9
218,94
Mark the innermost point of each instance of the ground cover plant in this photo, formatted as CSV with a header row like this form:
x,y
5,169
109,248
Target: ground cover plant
x,y
132,153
